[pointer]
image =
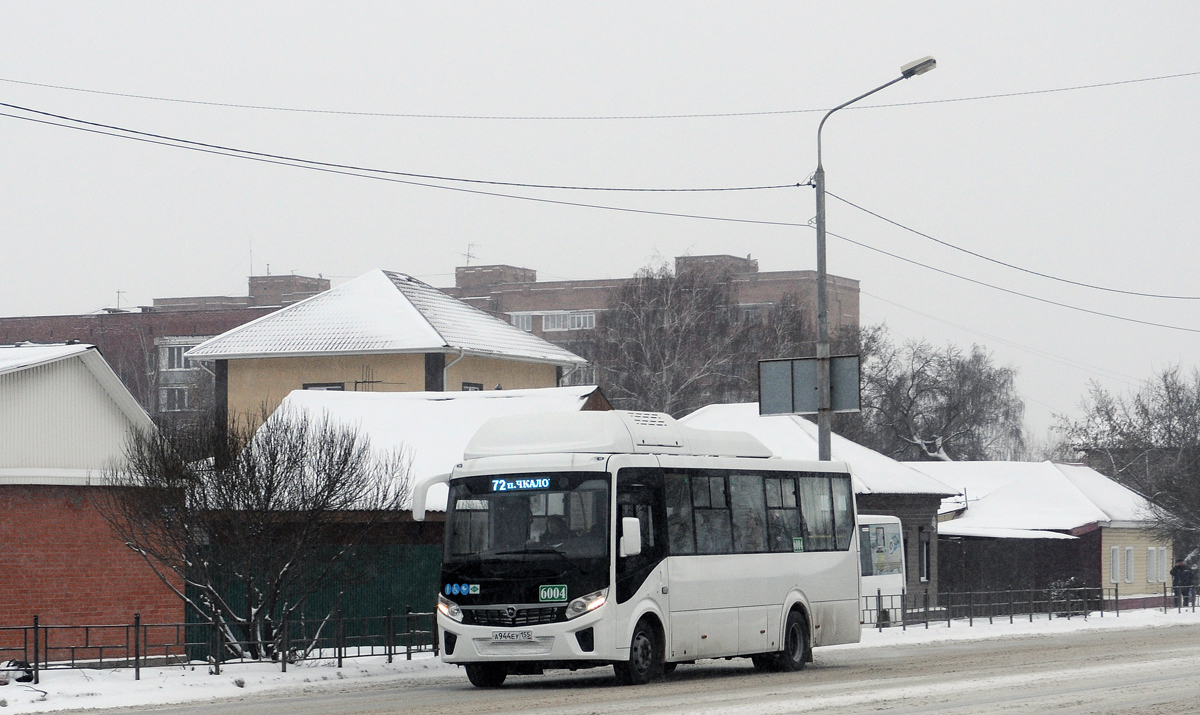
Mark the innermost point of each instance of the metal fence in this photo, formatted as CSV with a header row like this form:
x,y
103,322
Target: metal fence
x,y
137,644
880,610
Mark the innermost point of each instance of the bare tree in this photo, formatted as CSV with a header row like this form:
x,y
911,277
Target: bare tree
x,y
675,342
667,342
1149,441
273,515
922,402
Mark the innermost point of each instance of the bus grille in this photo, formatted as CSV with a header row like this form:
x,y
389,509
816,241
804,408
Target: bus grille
x,y
513,617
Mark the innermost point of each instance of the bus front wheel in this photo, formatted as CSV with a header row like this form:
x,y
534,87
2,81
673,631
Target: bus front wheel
x,y
486,675
645,656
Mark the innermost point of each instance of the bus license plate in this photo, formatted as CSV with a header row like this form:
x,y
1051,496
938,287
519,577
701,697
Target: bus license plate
x,y
511,636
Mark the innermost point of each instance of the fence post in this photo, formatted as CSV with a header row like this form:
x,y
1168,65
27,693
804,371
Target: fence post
x,y
287,645
407,632
991,606
1117,598
217,648
879,609
949,606
1164,596
927,609
390,634
340,646
137,646
1010,604
971,608
904,609
36,643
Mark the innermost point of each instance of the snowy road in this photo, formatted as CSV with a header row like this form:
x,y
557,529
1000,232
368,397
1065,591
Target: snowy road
x,y
1144,671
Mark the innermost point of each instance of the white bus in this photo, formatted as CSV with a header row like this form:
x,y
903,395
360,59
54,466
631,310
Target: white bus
x,y
881,549
624,538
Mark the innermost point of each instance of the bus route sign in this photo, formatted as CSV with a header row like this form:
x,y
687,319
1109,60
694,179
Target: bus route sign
x,y
552,594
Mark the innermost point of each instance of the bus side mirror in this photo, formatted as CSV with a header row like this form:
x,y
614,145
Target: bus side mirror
x,y
631,536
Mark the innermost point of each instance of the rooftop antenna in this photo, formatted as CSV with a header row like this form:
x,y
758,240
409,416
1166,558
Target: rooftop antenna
x,y
119,294
469,255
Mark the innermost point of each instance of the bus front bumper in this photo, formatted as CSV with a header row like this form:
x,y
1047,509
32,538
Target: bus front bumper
x,y
582,640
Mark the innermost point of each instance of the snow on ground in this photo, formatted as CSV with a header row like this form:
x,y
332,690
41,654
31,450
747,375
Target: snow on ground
x,y
78,689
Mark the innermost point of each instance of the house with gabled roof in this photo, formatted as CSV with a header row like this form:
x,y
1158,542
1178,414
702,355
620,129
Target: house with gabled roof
x,y
65,417
380,332
1030,524
882,485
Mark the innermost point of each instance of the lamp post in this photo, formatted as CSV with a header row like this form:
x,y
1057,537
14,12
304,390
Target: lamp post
x,y
824,405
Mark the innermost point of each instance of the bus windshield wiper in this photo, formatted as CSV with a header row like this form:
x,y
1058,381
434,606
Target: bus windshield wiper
x,y
556,552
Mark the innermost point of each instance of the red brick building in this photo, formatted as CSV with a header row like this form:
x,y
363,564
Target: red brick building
x,y
64,418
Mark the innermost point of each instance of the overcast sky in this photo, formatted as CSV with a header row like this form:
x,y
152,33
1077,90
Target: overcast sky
x,y
1096,185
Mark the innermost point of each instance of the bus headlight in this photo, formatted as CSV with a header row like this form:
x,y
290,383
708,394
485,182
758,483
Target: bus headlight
x,y
449,608
586,604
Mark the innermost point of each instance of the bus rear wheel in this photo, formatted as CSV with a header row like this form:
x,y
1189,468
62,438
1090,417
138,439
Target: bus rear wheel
x,y
645,656
795,644
486,675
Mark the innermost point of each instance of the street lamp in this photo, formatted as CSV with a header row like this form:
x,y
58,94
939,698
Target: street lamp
x,y
824,406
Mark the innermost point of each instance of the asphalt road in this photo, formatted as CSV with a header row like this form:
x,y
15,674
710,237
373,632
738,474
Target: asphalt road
x,y
1145,671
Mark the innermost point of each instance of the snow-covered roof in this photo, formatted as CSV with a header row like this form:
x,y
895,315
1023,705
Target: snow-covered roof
x,y
432,427
25,355
381,312
793,437
64,414
1031,497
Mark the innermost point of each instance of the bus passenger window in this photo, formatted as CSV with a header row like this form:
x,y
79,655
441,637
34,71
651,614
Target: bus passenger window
x,y
843,511
679,514
816,503
749,513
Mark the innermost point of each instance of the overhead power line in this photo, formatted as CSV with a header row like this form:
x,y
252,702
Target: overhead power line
x,y
993,286
395,180
998,262
698,115
1069,362
283,161
228,150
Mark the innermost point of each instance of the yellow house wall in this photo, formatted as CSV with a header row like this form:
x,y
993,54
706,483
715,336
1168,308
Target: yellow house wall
x,y
1140,540
258,382
510,374
255,382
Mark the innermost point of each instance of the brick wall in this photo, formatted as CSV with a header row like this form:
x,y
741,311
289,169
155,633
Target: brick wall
x,y
59,560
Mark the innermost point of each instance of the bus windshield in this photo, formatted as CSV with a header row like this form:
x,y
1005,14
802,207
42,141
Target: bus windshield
x,y
522,517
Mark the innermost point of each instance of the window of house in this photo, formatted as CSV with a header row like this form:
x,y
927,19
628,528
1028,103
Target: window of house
x,y
173,399
926,551
523,321
174,359
1162,564
1128,564
472,387
579,320
1151,565
328,386
1114,564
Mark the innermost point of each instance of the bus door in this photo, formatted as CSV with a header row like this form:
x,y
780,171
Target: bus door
x,y
639,494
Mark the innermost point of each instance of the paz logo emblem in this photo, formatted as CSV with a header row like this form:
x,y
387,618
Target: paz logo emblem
x,y
511,612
